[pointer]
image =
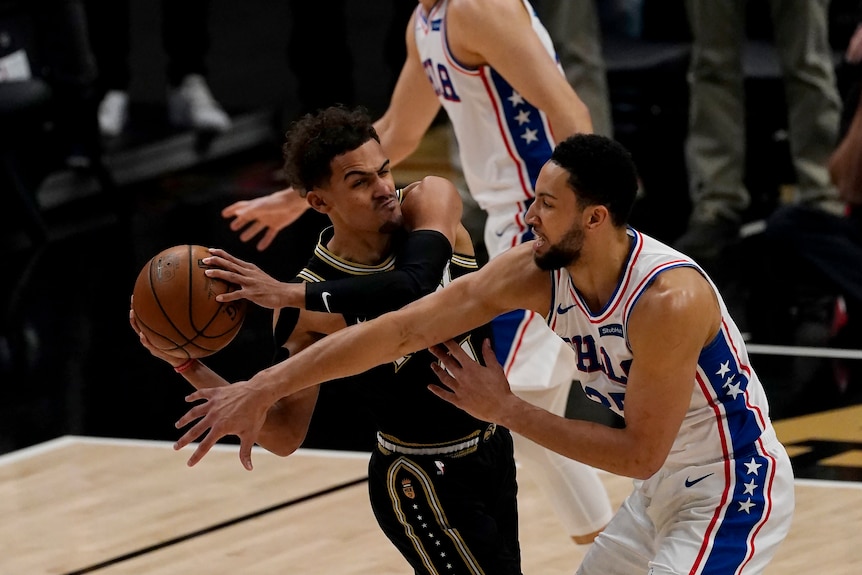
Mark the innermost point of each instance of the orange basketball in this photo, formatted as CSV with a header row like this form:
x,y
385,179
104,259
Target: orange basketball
x,y
175,306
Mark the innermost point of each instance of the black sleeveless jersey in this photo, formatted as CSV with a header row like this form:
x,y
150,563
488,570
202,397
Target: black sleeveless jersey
x,y
396,393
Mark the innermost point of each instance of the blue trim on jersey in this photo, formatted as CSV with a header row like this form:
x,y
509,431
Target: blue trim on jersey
x,y
534,154
729,384
527,235
637,240
552,312
744,512
505,327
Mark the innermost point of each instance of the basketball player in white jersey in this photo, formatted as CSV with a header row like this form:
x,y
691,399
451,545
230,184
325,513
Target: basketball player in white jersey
x,y
713,487
508,102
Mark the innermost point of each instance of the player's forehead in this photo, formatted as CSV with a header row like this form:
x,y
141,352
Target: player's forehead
x,y
366,159
553,182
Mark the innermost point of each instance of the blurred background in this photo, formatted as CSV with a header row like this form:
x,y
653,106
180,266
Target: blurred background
x,y
85,206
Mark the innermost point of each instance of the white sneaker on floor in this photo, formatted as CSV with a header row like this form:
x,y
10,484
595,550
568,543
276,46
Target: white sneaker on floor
x,y
191,105
113,113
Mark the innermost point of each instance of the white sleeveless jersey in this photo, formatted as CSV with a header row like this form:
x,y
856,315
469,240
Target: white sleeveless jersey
x,y
503,140
728,411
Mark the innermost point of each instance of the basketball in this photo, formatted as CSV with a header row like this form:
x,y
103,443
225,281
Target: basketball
x,y
175,306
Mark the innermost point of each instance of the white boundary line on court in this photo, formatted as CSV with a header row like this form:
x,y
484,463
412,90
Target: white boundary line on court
x,y
800,351
66,440
828,483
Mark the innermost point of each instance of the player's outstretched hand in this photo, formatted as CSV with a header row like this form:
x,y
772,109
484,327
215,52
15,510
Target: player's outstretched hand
x,y
174,361
481,391
268,214
227,410
253,283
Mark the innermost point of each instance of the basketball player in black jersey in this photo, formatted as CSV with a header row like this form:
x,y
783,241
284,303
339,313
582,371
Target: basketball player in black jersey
x,y
442,483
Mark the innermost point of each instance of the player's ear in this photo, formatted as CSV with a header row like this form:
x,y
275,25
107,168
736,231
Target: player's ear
x,y
595,215
317,202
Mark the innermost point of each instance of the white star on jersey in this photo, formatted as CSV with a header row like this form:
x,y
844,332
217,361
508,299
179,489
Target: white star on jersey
x,y
753,467
523,117
530,136
750,487
515,99
734,390
725,367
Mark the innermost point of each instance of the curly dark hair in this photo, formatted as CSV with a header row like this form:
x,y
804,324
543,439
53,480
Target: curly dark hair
x,y
601,171
315,139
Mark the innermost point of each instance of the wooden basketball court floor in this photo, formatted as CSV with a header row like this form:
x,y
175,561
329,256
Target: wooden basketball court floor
x,y
77,505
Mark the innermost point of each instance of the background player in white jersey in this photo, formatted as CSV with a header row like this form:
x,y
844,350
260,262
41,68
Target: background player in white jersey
x,y
713,489
508,102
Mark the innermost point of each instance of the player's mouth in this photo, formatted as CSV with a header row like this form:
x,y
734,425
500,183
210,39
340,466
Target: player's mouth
x,y
389,203
539,242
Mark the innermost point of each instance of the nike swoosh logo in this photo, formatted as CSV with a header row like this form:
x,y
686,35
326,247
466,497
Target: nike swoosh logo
x,y
690,482
325,296
561,310
500,233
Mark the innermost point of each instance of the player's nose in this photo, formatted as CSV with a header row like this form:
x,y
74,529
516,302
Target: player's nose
x,y
530,217
383,188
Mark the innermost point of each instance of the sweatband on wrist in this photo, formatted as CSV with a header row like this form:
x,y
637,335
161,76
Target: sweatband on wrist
x,y
419,266
184,366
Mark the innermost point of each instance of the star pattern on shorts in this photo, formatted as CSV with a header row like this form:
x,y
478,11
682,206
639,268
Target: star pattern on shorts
x,y
432,536
746,506
752,467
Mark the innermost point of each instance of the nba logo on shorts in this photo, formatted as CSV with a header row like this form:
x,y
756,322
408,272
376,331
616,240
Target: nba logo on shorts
x,y
407,488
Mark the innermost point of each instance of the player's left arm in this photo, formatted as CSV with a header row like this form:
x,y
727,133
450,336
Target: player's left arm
x,y
475,28
286,421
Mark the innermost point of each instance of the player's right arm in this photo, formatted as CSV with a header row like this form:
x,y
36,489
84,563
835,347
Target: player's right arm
x,y
432,210
412,108
267,214
288,419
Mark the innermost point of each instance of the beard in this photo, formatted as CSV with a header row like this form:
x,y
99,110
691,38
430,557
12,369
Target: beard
x,y
564,253
392,226
394,223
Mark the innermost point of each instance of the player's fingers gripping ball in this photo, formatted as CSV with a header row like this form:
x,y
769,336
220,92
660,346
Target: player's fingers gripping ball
x,y
175,304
